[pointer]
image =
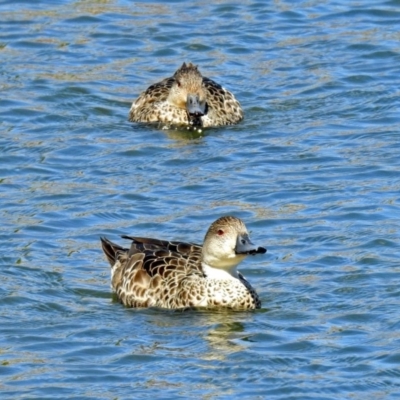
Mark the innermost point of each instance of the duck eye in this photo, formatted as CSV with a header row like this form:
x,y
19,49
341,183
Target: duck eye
x,y
178,83
220,232
243,241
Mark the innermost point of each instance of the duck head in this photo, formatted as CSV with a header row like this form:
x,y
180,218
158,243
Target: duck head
x,y
227,243
187,92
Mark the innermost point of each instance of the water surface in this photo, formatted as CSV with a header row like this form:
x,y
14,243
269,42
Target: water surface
x,y
313,170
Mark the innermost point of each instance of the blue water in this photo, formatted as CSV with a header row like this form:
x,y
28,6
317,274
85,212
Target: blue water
x,y
313,170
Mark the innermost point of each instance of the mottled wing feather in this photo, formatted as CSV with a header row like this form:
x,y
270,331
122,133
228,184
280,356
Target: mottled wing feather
x,y
143,108
182,249
252,293
213,88
153,272
223,108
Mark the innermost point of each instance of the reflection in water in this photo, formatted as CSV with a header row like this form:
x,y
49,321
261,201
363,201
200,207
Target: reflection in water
x,y
222,332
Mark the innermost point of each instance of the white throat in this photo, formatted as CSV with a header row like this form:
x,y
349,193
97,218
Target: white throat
x,y
218,273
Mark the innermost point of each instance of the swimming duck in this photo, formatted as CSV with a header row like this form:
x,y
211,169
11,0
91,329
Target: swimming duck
x,y
187,98
159,273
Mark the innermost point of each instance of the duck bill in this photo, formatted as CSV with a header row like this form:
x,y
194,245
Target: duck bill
x,y
194,106
245,246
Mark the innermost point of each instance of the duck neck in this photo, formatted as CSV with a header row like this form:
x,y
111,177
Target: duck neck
x,y
219,273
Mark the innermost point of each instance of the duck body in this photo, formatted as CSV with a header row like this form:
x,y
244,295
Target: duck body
x,y
187,98
158,273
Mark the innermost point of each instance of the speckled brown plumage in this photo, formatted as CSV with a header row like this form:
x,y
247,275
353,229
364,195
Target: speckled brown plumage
x,y
170,101
157,273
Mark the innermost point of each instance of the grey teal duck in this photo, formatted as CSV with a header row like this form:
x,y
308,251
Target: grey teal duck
x,y
187,98
174,275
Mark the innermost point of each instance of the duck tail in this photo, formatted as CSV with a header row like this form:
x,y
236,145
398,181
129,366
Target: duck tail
x,y
110,250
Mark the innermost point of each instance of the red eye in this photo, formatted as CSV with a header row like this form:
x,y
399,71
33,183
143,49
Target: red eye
x,y
220,232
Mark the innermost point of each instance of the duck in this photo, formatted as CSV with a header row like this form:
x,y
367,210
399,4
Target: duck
x,y
187,98
179,275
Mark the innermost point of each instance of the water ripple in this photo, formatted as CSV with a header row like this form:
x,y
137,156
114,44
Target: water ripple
x,y
313,170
